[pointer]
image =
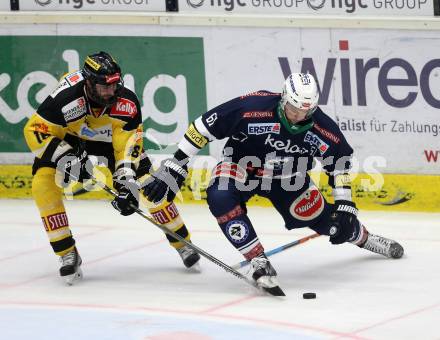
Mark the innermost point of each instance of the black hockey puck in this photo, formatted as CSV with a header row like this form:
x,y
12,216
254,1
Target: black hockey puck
x,y
309,296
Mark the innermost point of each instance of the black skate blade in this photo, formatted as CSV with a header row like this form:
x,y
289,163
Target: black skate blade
x,y
275,291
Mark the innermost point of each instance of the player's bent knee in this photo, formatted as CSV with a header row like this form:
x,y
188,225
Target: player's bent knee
x,y
43,184
221,201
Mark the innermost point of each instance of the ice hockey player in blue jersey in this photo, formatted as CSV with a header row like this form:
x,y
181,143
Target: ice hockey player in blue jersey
x,y
273,140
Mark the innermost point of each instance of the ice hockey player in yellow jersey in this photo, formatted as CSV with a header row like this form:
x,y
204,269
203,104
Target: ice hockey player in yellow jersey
x,y
92,113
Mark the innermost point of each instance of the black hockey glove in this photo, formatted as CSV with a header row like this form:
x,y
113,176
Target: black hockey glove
x,y
343,222
128,191
75,166
166,181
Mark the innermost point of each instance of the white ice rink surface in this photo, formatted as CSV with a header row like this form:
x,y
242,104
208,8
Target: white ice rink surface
x,y
135,286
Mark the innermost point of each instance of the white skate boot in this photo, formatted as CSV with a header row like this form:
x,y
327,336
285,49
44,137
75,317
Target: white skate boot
x,y
71,267
265,275
189,257
384,246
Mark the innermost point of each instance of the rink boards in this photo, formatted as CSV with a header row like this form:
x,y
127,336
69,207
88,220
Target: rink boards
x,y
391,192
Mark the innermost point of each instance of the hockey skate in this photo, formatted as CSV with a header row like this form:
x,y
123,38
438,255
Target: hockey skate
x,y
189,257
71,267
384,246
265,275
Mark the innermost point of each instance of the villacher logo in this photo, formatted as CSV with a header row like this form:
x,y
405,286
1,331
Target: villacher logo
x,y
195,3
43,2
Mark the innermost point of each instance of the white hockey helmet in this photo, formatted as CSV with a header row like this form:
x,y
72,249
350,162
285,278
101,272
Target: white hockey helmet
x,y
301,91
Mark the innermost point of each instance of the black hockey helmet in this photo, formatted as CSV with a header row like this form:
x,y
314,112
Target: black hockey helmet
x,y
101,68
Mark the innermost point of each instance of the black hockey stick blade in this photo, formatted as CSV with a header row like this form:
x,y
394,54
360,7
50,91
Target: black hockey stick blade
x,y
275,291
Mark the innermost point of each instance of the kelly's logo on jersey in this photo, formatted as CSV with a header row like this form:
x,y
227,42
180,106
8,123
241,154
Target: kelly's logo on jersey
x,y
316,142
260,129
124,107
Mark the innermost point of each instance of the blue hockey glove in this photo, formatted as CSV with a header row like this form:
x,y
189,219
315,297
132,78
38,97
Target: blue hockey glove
x,y
344,226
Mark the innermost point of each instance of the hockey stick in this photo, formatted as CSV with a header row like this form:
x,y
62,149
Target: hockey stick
x,y
279,249
189,244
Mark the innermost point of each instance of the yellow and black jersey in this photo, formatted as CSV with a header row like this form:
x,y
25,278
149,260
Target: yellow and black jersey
x,y
67,117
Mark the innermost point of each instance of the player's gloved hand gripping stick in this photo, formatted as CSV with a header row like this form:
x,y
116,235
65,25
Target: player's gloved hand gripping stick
x,y
166,181
181,239
203,253
344,222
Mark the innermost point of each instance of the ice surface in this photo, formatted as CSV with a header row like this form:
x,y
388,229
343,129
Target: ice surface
x,y
135,286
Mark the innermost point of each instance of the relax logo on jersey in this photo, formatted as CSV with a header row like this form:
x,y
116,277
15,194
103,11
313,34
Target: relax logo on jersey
x,y
237,231
260,129
316,143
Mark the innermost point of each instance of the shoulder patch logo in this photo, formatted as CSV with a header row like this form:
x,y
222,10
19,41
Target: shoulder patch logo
x,y
75,109
124,107
258,114
68,81
259,94
74,78
63,84
316,142
327,134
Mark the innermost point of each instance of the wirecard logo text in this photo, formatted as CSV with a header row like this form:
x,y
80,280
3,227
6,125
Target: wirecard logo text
x,y
414,81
